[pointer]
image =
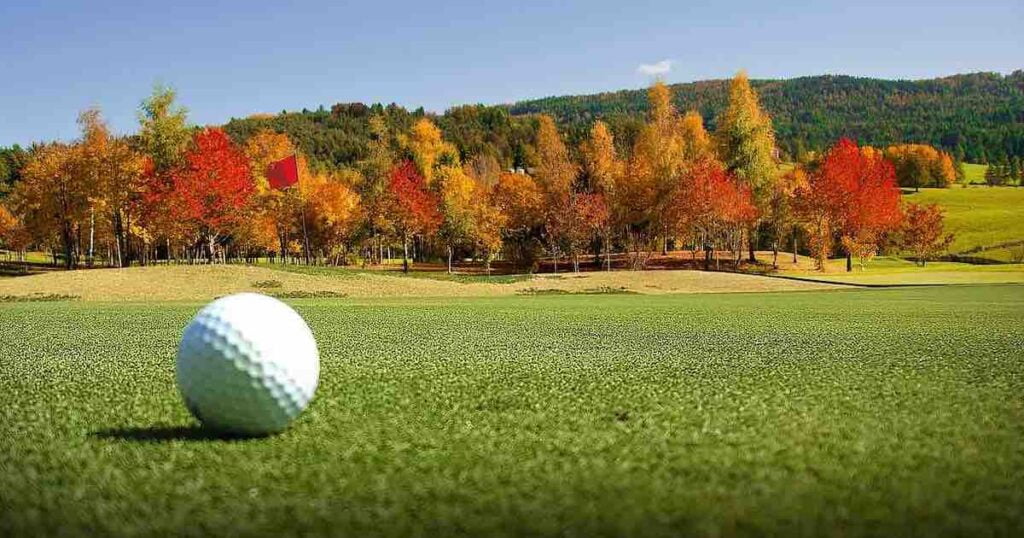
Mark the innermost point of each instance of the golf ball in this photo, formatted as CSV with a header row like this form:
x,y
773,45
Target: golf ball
x,y
247,364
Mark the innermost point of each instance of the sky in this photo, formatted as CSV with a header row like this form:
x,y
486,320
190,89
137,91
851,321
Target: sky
x,y
236,58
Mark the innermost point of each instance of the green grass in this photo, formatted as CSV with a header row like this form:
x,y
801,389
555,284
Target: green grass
x,y
889,271
980,217
974,173
893,412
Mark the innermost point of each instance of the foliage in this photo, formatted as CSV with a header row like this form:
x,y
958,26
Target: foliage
x,y
164,132
213,184
853,195
974,117
746,140
922,232
919,165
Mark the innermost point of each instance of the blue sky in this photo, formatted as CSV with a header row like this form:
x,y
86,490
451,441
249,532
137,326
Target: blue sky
x,y
238,58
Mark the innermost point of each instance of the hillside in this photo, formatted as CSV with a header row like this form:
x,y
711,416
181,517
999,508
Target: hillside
x,y
978,116
987,222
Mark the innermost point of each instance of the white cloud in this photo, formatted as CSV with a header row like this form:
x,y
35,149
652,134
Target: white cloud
x,y
655,69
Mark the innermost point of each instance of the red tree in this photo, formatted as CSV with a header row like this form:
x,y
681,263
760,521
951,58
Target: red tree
x,y
414,208
854,194
213,185
712,207
922,231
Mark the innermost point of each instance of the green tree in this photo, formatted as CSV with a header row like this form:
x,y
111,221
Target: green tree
x,y
164,131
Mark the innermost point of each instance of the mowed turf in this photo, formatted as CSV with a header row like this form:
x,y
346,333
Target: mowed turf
x,y
980,218
892,412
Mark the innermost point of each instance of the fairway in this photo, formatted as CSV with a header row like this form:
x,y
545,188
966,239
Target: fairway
x,y
980,218
888,412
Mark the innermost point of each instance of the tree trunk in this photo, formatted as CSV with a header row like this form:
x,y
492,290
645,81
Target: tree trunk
x,y
212,245
751,236
450,259
405,253
607,253
849,261
66,239
794,246
92,234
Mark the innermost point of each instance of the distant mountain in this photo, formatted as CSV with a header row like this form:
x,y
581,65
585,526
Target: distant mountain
x,y
978,117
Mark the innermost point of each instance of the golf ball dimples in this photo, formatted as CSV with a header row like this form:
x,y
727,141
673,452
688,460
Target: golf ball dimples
x,y
247,364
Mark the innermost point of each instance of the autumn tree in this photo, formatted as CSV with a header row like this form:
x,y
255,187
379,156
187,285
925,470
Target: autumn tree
x,y
518,197
696,144
488,223
746,145
53,197
212,186
332,207
588,215
853,195
713,206
373,189
414,208
604,170
279,209
782,207
13,235
920,165
555,173
922,231
427,147
457,194
112,171
657,161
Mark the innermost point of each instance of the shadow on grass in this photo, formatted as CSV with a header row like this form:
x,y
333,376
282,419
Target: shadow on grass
x,y
161,434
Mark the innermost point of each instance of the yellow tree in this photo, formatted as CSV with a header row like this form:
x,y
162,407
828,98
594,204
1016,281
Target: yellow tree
x,y
520,200
489,221
651,175
782,208
428,147
333,211
52,198
457,194
605,170
555,173
93,154
746,145
111,171
696,144
13,235
278,208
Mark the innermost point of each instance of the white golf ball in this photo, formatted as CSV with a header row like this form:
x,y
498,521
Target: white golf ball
x,y
247,364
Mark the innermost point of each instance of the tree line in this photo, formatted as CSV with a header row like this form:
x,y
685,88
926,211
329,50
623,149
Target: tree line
x,y
974,117
176,192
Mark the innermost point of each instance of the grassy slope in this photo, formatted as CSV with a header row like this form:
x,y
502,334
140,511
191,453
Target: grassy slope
x,y
974,173
978,216
888,271
735,415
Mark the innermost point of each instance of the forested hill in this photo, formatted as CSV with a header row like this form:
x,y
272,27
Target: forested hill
x,y
978,117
